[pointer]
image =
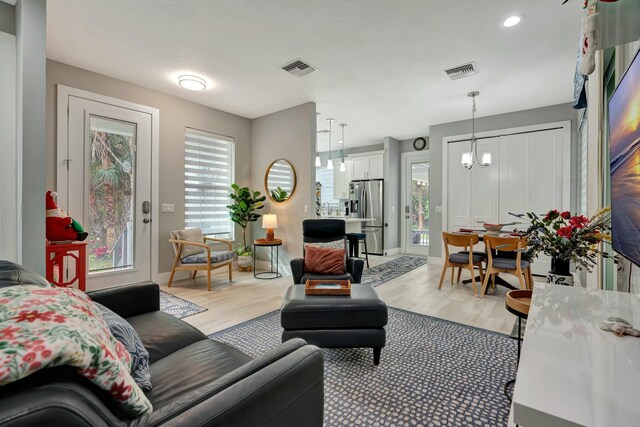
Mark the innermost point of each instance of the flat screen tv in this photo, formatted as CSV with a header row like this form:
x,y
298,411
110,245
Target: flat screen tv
x,y
624,146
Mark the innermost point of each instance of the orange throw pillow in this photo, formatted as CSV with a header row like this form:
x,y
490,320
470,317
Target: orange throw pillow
x,y
324,260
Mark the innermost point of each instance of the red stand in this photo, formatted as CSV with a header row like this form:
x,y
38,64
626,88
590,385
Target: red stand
x,y
57,263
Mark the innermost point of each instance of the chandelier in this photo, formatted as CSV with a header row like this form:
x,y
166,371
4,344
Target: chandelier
x,y
470,158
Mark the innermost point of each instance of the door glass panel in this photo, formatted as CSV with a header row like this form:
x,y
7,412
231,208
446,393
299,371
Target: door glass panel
x,y
419,217
111,194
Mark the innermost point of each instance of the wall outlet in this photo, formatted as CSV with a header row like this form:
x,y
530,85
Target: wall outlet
x,y
306,208
438,208
393,208
167,207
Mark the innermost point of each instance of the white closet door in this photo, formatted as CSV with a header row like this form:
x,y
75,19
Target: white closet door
x,y
534,177
485,198
459,188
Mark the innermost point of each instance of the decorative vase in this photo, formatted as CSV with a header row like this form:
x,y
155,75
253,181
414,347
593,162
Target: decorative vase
x,y
245,262
560,273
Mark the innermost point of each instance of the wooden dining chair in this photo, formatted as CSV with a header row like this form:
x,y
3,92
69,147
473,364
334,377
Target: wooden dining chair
x,y
467,259
515,265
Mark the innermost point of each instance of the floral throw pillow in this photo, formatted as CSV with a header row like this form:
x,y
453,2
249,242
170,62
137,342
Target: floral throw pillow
x,y
124,332
47,327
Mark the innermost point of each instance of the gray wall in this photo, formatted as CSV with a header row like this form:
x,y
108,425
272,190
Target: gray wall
x,y
175,114
392,187
288,134
7,18
554,113
31,28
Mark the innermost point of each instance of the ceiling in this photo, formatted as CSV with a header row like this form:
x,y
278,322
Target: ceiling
x,y
379,62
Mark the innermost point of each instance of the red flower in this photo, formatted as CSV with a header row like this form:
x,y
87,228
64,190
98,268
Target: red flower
x,y
120,391
35,366
44,292
32,316
59,318
8,333
46,353
89,373
579,221
551,215
566,214
565,232
29,357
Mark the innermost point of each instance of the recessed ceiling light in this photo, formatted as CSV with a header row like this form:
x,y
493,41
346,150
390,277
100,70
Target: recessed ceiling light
x,y
191,82
511,21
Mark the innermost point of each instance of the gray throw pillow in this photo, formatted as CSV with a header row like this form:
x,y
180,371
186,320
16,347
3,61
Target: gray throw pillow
x,y
124,332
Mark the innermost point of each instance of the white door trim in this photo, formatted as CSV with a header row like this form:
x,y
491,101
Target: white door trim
x,y
62,143
403,192
566,158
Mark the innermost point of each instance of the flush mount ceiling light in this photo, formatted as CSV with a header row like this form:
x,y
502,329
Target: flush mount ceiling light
x,y
191,82
511,21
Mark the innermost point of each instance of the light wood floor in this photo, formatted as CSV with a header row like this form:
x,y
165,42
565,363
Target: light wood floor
x,y
245,298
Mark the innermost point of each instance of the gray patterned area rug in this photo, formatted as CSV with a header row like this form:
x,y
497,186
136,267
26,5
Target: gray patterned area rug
x,y
376,276
177,306
432,372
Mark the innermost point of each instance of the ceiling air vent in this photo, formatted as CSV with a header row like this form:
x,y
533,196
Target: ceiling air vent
x,y
461,71
299,68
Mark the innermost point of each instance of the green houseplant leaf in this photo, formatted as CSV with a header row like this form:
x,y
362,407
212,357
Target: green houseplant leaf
x,y
243,211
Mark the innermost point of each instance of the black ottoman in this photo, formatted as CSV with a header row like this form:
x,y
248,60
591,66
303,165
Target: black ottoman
x,y
336,321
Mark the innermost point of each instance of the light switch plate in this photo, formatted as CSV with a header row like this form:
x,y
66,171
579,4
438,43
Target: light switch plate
x,y
306,208
438,208
167,207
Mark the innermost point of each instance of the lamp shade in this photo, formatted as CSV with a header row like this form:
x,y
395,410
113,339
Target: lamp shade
x,y
269,221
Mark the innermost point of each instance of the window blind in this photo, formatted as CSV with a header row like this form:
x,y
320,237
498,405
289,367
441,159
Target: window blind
x,y
208,174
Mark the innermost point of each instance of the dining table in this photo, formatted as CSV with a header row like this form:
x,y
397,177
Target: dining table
x,y
481,233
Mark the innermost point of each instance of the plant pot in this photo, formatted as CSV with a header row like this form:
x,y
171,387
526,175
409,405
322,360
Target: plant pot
x,y
560,273
245,262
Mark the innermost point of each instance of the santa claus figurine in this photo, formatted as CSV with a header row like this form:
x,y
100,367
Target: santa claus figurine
x,y
60,226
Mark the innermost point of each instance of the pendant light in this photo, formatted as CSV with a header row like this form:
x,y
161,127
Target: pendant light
x,y
470,158
343,167
330,161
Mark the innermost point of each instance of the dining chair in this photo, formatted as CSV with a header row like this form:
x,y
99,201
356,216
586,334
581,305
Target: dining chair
x,y
194,254
467,259
515,265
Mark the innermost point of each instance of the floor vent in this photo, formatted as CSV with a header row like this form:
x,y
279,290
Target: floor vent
x,y
299,68
461,71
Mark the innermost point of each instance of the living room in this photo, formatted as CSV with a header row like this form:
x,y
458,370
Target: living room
x,y
214,162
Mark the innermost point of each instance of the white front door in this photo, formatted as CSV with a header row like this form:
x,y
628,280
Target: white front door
x,y
415,201
104,181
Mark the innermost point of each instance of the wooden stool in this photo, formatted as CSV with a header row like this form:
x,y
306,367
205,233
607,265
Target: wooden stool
x,y
354,244
57,263
517,302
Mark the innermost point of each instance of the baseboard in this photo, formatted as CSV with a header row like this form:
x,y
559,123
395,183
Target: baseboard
x,y
435,260
392,251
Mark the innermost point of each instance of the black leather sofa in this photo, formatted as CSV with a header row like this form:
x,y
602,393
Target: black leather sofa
x,y
196,381
324,231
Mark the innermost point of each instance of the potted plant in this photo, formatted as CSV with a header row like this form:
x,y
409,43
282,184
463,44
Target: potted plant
x,y
244,210
568,239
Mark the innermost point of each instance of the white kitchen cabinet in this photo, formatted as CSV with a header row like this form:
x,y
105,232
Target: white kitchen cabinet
x,y
341,180
367,167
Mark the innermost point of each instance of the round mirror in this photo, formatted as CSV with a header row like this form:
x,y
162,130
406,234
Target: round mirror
x,y
280,180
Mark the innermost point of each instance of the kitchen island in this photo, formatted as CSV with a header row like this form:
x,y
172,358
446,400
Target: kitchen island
x,y
352,225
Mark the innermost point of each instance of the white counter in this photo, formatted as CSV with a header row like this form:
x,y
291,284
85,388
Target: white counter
x,y
353,225
571,372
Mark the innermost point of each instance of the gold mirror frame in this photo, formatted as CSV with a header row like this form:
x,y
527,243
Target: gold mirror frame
x,y
266,181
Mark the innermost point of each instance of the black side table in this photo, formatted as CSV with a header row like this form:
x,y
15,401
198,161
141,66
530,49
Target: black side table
x,y
271,274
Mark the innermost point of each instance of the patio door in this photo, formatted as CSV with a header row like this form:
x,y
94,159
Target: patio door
x,y
104,181
415,204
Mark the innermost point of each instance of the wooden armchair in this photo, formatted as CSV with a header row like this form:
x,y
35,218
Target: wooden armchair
x,y
194,254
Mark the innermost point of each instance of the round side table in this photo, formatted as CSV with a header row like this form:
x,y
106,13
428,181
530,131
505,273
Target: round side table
x,y
271,274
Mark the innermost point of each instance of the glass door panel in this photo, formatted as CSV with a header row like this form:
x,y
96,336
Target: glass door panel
x,y
419,215
112,184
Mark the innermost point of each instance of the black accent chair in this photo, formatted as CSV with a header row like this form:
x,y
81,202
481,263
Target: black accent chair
x,y
325,231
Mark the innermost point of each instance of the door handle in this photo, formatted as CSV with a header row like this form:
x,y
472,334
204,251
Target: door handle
x,y
146,207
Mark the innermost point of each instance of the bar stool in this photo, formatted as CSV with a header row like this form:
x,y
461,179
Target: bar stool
x,y
354,245
517,302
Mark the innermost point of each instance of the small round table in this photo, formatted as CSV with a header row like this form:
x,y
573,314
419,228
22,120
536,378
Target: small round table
x,y
271,274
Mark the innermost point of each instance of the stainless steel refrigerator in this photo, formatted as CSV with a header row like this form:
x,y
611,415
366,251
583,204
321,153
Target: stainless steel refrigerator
x,y
367,201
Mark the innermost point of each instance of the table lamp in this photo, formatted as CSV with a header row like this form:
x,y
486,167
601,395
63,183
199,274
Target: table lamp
x,y
269,221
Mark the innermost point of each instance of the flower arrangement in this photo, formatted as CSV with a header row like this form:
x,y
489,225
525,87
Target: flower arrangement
x,y
569,238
